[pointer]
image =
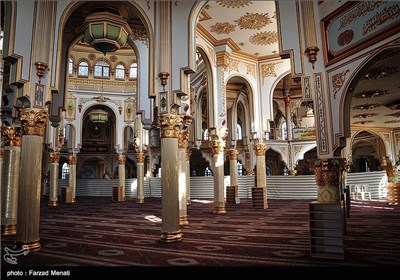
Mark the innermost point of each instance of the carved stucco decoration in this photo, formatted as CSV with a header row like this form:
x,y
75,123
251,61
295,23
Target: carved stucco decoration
x,y
338,81
254,21
234,3
264,38
223,28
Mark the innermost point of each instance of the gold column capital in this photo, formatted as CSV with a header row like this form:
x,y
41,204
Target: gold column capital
x,y
260,149
55,157
217,146
140,157
121,159
233,154
183,138
33,121
188,154
12,136
72,159
170,124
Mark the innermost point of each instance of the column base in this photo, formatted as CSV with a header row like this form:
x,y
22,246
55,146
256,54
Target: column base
x,y
188,202
8,230
259,196
232,194
53,203
169,237
33,246
139,200
219,210
183,221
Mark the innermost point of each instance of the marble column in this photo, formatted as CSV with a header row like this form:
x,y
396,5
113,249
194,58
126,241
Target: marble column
x,y
12,137
33,128
259,192
182,144
188,153
232,190
288,116
72,160
170,124
140,177
121,175
217,149
55,159
328,176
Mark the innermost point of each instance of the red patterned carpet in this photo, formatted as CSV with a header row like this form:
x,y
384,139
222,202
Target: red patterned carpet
x,y
98,234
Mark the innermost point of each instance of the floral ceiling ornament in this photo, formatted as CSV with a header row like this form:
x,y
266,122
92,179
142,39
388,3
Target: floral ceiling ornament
x,y
363,122
253,21
223,28
264,38
366,106
370,93
234,3
366,115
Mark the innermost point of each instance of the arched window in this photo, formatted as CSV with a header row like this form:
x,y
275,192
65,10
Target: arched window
x,y
65,171
205,134
102,69
83,69
159,173
239,169
133,71
207,172
70,66
284,131
120,71
239,135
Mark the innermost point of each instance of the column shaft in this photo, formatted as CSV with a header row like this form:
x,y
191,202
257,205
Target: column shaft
x,y
121,175
28,217
218,170
55,159
140,178
259,193
72,176
188,177
183,220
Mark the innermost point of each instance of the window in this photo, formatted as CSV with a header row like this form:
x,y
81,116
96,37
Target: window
x,y
120,71
239,169
159,173
102,69
133,71
284,131
70,66
65,171
83,69
207,172
239,135
205,134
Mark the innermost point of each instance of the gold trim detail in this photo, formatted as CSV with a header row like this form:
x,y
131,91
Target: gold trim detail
x,y
8,230
12,136
33,121
53,203
41,67
72,160
268,70
254,21
312,53
139,200
33,246
183,138
183,221
170,124
121,159
233,154
264,38
338,81
234,3
234,65
169,237
140,157
250,69
55,157
219,210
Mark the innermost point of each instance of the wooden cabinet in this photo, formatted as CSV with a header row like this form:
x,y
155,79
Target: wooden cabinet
x,y
259,196
232,195
326,230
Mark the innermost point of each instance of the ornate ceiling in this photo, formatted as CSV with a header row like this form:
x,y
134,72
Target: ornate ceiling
x,y
376,98
251,25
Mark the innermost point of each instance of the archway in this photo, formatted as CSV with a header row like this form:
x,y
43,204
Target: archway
x,y
274,163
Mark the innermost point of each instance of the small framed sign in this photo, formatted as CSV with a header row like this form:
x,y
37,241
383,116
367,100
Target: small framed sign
x,y
39,95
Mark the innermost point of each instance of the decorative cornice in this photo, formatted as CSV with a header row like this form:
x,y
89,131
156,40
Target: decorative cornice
x,y
121,159
12,136
140,157
259,148
33,121
55,157
233,154
169,124
222,59
72,160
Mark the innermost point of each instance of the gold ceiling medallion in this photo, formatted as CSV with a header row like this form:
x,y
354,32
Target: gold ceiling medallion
x,y
223,28
370,93
264,38
234,3
253,21
366,106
